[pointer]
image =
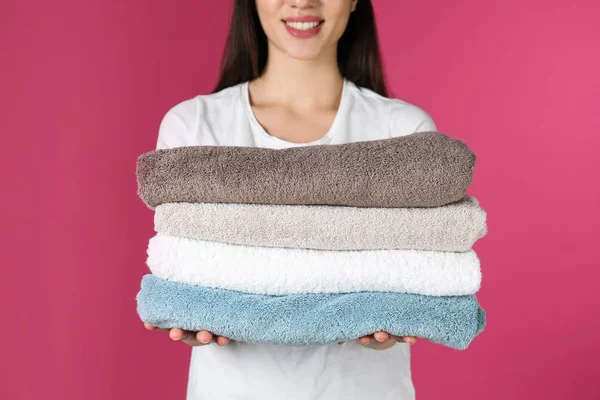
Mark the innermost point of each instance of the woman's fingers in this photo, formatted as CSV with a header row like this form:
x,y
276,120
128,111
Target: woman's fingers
x,y
191,338
406,339
365,339
378,336
221,340
204,337
381,336
149,327
410,339
179,334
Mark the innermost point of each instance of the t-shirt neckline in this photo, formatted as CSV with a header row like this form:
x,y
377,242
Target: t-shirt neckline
x,y
322,140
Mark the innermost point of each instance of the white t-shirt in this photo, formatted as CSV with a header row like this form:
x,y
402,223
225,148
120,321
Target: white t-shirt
x,y
271,372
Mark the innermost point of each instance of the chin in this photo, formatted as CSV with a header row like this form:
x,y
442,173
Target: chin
x,y
304,54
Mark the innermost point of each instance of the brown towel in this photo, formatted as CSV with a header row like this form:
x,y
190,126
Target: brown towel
x,y
423,169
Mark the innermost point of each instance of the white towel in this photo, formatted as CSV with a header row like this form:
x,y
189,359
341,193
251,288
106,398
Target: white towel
x,y
281,271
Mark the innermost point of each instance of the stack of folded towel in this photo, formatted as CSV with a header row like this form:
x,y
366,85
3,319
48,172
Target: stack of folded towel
x,y
314,245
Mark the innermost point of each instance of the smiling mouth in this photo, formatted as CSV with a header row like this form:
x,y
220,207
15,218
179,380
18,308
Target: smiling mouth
x,y
303,26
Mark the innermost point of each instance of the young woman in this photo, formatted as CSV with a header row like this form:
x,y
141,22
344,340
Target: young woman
x,y
296,73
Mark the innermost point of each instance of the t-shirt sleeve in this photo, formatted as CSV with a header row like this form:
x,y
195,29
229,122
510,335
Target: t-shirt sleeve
x,y
177,126
406,118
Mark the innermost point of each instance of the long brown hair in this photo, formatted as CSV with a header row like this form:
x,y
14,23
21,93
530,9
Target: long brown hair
x,y
245,54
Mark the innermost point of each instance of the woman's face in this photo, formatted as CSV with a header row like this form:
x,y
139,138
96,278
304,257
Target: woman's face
x,y
322,23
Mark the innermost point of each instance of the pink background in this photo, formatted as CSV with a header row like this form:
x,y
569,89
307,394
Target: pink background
x,y
85,84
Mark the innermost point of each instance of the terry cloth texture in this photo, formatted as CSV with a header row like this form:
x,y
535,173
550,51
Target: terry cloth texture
x,y
423,169
280,271
452,227
309,319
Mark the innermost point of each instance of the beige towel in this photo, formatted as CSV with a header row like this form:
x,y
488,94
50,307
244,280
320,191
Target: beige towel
x,y
452,227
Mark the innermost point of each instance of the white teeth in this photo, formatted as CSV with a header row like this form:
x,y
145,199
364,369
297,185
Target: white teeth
x,y
303,26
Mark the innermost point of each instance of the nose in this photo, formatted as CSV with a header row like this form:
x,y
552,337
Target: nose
x,y
300,3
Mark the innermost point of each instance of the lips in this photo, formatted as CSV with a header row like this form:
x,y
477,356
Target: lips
x,y
300,31
303,33
303,18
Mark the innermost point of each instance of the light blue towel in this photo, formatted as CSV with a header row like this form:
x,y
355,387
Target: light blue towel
x,y
309,319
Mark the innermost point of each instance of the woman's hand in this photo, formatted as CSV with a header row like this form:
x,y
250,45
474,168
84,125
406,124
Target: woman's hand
x,y
200,338
384,340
